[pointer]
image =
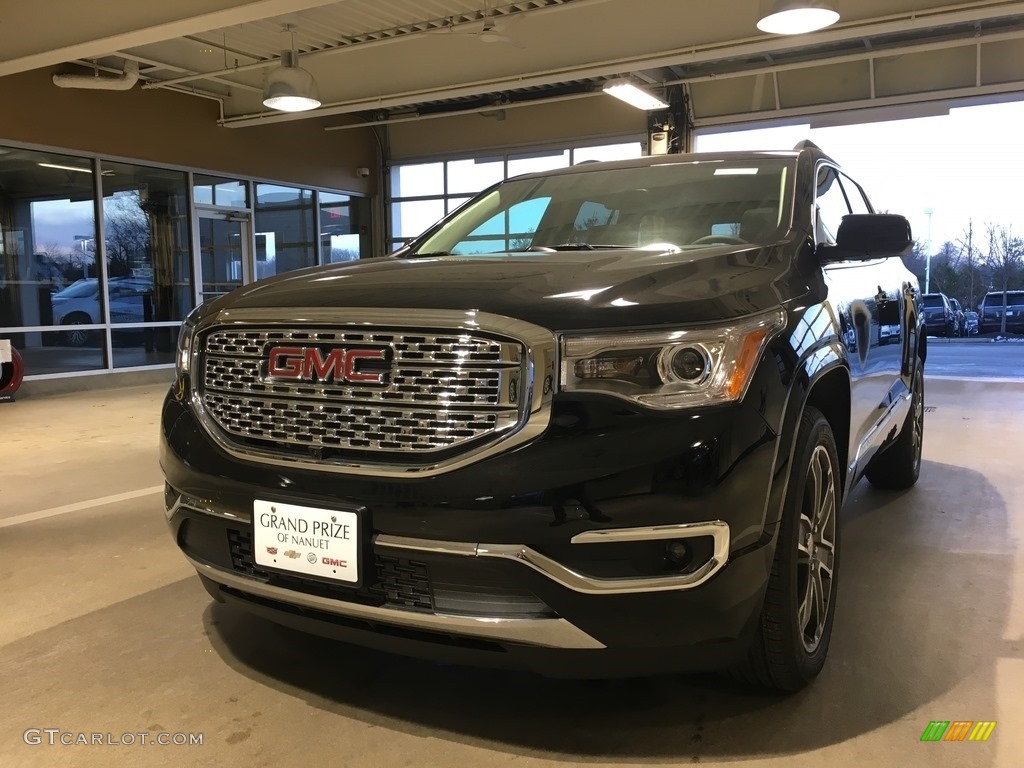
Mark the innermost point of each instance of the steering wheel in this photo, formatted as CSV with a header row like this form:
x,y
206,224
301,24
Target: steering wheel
x,y
726,239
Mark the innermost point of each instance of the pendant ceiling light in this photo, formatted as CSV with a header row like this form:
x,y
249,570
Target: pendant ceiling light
x,y
795,17
290,88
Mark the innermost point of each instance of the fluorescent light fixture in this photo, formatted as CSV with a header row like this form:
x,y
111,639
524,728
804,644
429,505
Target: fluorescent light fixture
x,y
736,172
290,88
633,95
797,17
65,167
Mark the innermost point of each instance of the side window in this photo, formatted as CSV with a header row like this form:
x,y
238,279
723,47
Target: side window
x,y
509,230
593,215
855,196
830,205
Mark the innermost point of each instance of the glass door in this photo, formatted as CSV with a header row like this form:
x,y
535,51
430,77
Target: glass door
x,y
223,252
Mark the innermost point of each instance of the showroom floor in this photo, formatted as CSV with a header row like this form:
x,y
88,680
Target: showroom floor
x,y
105,629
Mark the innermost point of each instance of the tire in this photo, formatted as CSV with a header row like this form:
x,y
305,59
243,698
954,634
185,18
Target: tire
x,y
74,337
898,466
794,629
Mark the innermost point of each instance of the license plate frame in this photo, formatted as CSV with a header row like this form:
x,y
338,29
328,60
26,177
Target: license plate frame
x,y
286,535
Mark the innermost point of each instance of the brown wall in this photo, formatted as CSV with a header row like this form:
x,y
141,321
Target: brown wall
x,y
162,126
594,117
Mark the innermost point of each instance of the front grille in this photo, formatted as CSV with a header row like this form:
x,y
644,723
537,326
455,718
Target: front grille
x,y
443,391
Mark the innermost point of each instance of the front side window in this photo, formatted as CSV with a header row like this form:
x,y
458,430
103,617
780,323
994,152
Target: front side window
x,y
681,205
830,205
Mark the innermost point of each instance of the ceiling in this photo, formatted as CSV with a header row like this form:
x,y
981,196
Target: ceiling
x,y
381,60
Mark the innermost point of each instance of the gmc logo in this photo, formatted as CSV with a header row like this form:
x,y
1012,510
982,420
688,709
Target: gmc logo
x,y
316,364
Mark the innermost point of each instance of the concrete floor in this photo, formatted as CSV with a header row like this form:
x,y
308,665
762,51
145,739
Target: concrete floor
x,y
105,629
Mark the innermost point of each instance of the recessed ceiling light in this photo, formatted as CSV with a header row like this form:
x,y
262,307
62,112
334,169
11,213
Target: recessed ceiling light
x,y
797,17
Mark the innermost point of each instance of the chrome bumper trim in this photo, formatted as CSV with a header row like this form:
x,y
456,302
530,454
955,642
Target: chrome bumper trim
x,y
193,504
544,633
579,582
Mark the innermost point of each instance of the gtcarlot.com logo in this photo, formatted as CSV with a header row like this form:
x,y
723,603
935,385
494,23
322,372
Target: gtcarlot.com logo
x,y
60,737
958,730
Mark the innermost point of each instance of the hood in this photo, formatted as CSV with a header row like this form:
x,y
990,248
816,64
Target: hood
x,y
561,291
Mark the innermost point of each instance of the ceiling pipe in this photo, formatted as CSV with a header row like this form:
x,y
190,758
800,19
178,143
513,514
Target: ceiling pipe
x,y
124,82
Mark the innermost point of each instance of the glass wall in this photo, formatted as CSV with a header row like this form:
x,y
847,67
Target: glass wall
x,y
51,303
344,227
285,234
423,193
149,263
101,260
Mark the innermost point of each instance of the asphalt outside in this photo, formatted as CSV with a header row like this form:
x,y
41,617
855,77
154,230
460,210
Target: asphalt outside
x,y
106,629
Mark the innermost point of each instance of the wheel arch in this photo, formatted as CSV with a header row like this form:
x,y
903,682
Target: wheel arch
x,y
822,381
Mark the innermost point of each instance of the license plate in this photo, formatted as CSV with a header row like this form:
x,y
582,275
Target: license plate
x,y
323,543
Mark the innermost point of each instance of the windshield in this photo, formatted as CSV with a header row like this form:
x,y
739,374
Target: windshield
x,y
692,204
933,301
79,290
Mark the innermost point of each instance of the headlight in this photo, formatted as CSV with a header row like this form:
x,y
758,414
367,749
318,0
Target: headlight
x,y
183,356
670,369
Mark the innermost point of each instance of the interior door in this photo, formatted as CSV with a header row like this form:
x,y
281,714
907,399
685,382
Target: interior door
x,y
223,253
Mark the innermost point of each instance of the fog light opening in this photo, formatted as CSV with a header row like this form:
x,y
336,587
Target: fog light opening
x,y
678,554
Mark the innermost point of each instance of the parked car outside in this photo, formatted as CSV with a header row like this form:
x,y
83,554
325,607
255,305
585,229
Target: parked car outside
x,y
958,315
599,421
939,317
79,304
992,312
971,323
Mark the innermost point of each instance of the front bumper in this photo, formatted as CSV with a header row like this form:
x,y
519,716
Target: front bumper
x,y
549,557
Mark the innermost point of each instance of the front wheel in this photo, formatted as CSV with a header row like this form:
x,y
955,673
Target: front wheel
x,y
899,466
795,625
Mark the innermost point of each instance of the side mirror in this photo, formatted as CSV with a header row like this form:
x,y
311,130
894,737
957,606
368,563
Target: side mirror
x,y
865,236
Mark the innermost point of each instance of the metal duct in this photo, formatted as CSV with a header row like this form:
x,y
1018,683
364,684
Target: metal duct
x,y
123,82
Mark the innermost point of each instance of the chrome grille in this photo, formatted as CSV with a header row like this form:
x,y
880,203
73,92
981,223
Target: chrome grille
x,y
444,390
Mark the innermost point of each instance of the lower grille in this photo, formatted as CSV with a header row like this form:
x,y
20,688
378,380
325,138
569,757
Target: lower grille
x,y
404,583
456,587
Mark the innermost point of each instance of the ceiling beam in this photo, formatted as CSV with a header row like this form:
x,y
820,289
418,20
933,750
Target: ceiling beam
x,y
943,99
42,33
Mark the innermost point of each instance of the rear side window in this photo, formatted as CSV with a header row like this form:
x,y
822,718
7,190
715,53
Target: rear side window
x,y
996,299
933,301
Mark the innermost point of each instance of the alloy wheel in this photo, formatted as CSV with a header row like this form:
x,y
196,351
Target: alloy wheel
x,y
816,545
917,425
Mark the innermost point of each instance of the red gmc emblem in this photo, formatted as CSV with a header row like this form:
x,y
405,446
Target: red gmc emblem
x,y
316,364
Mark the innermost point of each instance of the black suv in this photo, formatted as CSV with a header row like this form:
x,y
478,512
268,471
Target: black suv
x,y
940,317
991,311
598,421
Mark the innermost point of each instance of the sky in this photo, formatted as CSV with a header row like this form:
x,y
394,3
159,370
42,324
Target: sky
x,y
967,165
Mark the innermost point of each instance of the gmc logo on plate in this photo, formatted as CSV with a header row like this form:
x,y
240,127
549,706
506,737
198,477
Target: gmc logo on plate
x,y
355,366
